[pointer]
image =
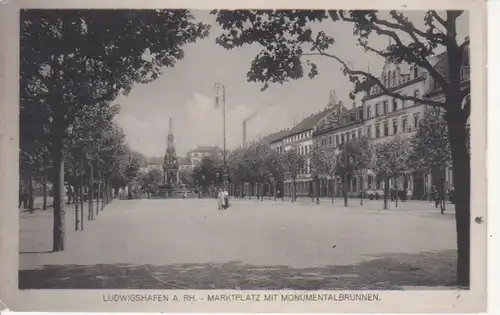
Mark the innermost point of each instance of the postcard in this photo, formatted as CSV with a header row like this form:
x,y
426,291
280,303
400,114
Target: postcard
x,y
223,156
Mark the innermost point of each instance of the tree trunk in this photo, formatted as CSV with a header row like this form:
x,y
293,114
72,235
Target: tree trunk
x,y
386,191
317,190
294,190
58,195
333,189
80,190
99,195
31,204
44,207
312,189
90,193
362,188
461,182
77,214
283,190
274,190
344,188
397,191
443,193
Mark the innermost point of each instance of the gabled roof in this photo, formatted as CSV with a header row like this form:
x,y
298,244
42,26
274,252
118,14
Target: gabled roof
x,y
309,122
276,136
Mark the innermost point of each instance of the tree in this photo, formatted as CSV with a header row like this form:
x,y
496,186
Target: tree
x,y
274,168
208,172
318,165
293,163
287,36
430,148
391,161
87,57
348,159
151,181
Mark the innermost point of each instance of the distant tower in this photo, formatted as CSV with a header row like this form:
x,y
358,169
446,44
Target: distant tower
x,y
170,163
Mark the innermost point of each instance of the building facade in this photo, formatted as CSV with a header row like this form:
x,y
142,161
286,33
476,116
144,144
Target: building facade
x,y
196,155
300,138
340,126
379,117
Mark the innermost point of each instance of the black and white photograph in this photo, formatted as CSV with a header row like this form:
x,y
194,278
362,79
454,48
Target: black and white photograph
x,y
266,149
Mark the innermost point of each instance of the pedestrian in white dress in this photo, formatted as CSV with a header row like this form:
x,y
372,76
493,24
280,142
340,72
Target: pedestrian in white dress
x,y
220,197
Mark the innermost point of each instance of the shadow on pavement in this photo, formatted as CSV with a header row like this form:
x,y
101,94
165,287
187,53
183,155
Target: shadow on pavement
x,y
385,272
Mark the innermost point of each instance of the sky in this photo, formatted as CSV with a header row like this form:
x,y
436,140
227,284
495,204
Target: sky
x,y
186,92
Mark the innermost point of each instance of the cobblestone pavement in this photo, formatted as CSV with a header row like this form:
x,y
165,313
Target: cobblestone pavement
x,y
189,244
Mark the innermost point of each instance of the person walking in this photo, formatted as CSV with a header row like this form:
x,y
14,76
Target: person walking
x,y
431,193
436,197
220,199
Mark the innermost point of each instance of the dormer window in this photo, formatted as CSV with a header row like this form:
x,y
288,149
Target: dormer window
x,y
394,79
415,72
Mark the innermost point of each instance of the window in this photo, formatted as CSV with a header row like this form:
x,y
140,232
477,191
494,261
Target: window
x,y
368,112
359,133
415,120
385,107
342,138
330,140
389,79
394,78
394,104
377,110
377,131
336,140
310,147
354,134
369,132
386,128
395,126
348,135
405,124
415,72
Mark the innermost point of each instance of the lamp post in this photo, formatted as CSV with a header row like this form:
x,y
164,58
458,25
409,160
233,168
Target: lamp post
x,y
220,96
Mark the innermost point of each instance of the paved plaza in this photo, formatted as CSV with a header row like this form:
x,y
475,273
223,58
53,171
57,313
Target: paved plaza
x,y
189,244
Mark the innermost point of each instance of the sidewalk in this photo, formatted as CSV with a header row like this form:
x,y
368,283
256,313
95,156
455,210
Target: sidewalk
x,y
35,228
355,204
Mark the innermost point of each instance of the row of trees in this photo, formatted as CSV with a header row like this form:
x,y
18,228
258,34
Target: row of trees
x,y
96,160
428,150
73,65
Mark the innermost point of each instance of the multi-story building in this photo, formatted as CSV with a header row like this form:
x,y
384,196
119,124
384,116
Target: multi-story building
x,y
196,155
386,117
379,117
300,138
340,126
185,165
